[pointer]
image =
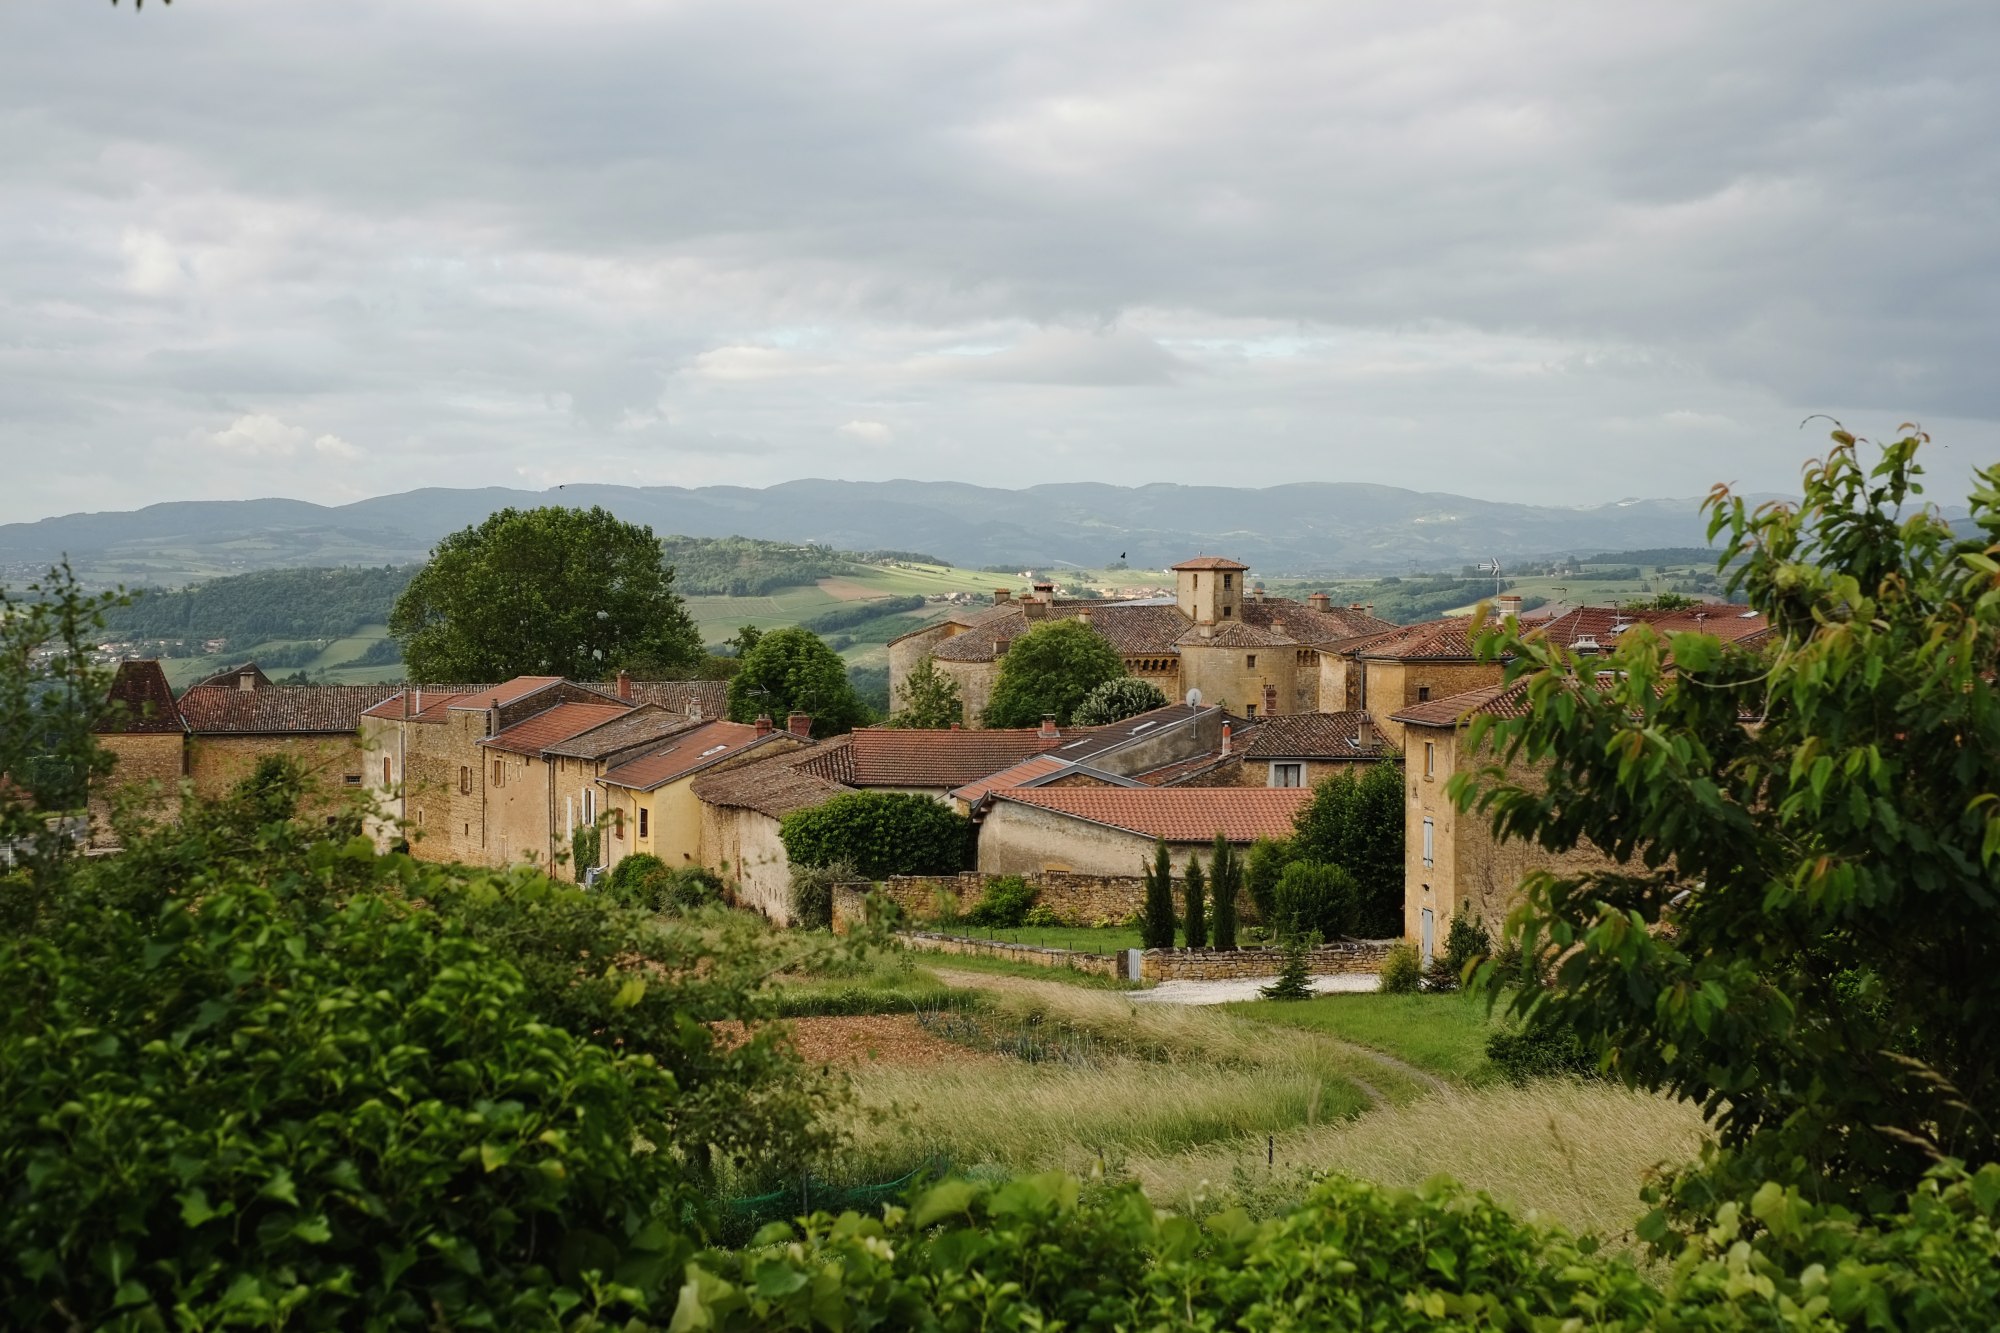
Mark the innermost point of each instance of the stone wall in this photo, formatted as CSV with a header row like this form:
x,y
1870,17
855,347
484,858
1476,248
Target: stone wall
x,y
1096,964
1348,956
1086,899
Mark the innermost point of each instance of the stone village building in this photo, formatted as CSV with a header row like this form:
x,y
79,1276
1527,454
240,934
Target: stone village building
x,y
1252,654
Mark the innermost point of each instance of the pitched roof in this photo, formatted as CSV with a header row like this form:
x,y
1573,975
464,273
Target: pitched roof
x,y
552,725
1312,736
1233,634
1445,640
277,709
1134,628
626,730
1726,621
1178,814
1497,700
892,757
141,702
1334,626
233,677
1035,766
773,787
832,760
1085,743
499,696
429,702
689,752
1210,562
1186,770
711,695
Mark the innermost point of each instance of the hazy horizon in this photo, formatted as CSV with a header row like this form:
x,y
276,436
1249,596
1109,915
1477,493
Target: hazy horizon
x,y
1557,255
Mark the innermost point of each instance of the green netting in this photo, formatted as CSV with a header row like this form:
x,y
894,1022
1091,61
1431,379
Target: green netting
x,y
811,1195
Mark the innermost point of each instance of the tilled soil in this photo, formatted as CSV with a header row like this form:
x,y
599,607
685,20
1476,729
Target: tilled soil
x,y
876,1039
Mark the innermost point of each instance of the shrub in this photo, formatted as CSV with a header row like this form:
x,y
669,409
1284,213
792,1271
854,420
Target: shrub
x,y
1194,893
1226,873
1005,902
1402,970
1266,861
1156,925
812,893
1116,700
1540,1050
1313,899
1465,945
1040,915
586,844
1292,982
879,834
637,881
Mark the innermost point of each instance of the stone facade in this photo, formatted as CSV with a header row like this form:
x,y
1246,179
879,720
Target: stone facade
x,y
1348,957
1086,899
743,847
1018,839
1390,685
336,766
147,768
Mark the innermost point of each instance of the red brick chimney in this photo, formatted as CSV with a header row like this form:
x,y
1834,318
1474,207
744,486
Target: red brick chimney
x,y
625,685
1049,729
763,724
1270,701
799,724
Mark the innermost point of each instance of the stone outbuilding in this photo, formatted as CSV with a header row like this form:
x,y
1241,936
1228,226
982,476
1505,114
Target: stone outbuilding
x,y
1112,830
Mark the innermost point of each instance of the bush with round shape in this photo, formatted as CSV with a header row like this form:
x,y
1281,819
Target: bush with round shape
x,y
1004,903
1402,970
637,881
1313,899
1115,700
879,834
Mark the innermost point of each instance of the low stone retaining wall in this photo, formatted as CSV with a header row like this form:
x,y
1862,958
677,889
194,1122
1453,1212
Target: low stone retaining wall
x,y
1085,900
1345,957
1096,964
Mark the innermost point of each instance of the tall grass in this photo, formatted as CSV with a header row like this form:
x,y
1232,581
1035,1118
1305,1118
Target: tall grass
x,y
1573,1153
1445,1034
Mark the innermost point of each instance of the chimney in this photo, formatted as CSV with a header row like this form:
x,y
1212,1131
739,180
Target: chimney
x,y
1319,601
1270,701
420,699
625,686
1256,592
763,724
246,682
1225,737
1045,592
1083,614
1049,732
1507,604
1001,642
1002,596
799,724
406,705
1365,739
957,726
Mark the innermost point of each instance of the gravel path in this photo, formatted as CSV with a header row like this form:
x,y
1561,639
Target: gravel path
x,y
1246,988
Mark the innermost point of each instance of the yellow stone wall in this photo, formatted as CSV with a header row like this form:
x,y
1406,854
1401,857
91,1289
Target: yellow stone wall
x,y
146,770
1236,677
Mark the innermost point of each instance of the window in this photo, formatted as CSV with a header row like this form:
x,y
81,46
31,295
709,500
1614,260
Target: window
x,y
1430,841
350,779
1430,759
497,771
1423,694
1249,710
464,780
1227,610
589,806
1288,775
618,825
1250,661
388,772
644,821
1228,580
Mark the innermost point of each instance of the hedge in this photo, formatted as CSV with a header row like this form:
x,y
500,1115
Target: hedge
x,y
879,834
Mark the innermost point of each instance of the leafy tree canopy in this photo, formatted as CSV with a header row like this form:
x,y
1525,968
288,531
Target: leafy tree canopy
x,y
1357,823
927,698
1116,700
1049,670
879,834
793,671
1798,932
553,592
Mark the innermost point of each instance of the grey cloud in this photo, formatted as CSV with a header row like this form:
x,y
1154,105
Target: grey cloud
x,y
1528,248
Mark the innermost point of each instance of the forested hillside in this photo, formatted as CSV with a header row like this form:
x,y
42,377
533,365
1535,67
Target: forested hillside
x,y
743,567
268,604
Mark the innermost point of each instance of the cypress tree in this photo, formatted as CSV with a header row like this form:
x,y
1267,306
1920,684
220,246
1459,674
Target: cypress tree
x,y
1225,878
1196,923
1156,930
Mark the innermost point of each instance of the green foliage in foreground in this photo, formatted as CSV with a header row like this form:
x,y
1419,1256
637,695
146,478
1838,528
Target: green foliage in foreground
x,y
879,834
1798,930
1040,1252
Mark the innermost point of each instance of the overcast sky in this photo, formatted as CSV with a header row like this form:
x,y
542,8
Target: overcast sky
x,y
1560,252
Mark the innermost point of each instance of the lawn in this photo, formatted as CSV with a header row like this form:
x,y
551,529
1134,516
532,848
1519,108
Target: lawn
x,y
1445,1034
1007,967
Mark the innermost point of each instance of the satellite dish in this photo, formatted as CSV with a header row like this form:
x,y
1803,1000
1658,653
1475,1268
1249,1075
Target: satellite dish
x,y
1194,698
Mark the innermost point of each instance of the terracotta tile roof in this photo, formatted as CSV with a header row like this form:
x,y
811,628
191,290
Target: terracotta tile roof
x,y
553,725
1724,620
1312,736
677,695
1210,562
1492,700
690,752
277,709
499,696
1178,814
1187,770
1233,634
1333,626
1446,640
773,787
1136,629
890,757
1037,766
967,616
1087,743
831,760
232,677
430,702
628,729
141,702
975,644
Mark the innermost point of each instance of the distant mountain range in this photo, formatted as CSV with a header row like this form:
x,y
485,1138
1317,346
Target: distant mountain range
x,y
1303,528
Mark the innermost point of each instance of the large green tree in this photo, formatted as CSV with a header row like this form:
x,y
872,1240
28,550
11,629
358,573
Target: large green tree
x,y
1356,822
546,592
1049,670
1117,699
1801,930
927,699
793,671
